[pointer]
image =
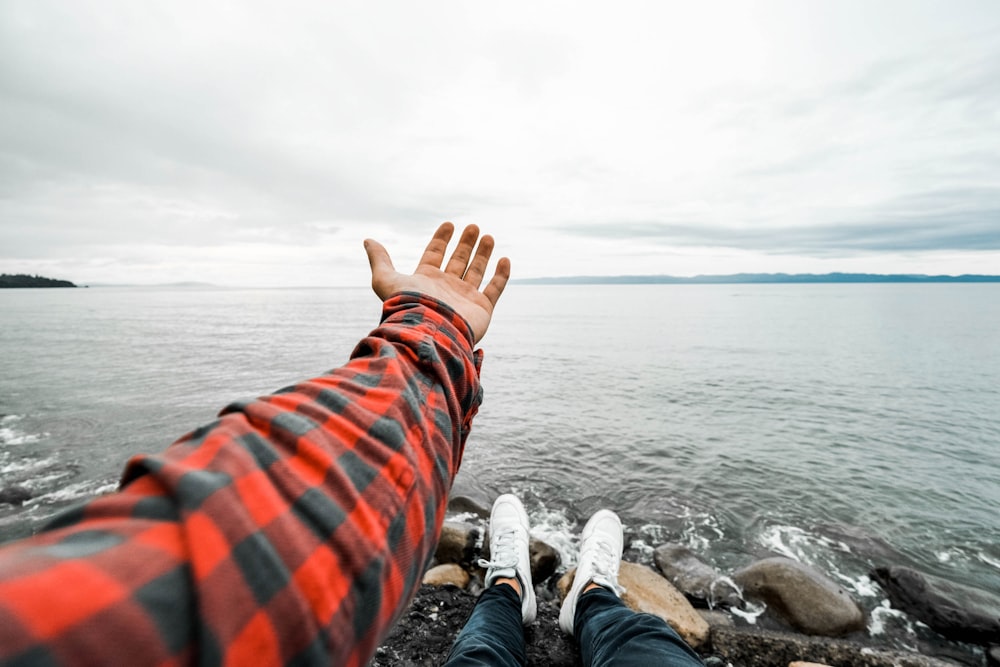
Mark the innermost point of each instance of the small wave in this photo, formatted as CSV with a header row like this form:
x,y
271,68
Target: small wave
x,y
865,587
553,527
24,465
988,560
883,615
42,480
947,555
11,435
76,491
643,548
700,531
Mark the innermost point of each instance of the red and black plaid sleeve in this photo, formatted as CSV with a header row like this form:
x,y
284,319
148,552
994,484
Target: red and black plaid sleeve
x,y
293,530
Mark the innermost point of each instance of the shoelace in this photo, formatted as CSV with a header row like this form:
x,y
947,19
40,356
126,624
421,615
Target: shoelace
x,y
605,557
503,552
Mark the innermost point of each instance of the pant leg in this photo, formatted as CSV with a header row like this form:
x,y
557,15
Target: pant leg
x,y
609,633
493,636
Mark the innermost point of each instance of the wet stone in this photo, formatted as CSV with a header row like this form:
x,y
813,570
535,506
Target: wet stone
x,y
957,612
804,597
448,574
15,495
703,585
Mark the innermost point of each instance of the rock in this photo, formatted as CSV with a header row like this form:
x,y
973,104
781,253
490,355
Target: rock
x,y
14,495
469,495
957,612
993,656
648,592
545,559
714,618
799,663
700,582
467,505
457,544
808,600
449,574
751,647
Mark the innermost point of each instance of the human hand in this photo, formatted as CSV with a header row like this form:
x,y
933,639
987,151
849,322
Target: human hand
x,y
457,285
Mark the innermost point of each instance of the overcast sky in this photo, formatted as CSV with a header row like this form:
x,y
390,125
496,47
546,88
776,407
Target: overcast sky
x,y
259,143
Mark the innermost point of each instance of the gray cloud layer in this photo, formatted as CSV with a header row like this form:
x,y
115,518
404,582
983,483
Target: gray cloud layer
x,y
180,136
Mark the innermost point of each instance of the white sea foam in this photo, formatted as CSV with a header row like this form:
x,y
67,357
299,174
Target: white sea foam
x,y
654,532
644,548
553,527
466,517
989,561
42,480
723,579
944,556
25,465
751,611
76,491
865,587
788,541
701,530
12,436
883,615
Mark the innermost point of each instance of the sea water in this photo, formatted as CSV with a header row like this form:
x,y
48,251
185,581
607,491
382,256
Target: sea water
x,y
846,426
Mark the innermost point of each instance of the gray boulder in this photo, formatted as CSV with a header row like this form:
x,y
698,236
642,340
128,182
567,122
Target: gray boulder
x,y
467,505
545,559
703,585
14,495
457,543
957,612
804,597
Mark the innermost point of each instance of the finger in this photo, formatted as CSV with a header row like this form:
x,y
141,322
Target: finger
x,y
378,257
477,269
434,254
499,281
460,258
380,263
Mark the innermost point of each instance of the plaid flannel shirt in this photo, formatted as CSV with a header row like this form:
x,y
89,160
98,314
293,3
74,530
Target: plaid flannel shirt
x,y
293,530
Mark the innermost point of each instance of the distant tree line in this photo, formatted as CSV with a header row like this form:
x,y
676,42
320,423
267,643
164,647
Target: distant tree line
x,y
24,280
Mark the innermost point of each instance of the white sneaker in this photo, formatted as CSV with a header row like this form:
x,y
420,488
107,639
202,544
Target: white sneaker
x,y
600,560
509,556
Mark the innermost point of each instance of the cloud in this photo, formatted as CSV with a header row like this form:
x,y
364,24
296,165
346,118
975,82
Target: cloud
x,y
187,130
964,219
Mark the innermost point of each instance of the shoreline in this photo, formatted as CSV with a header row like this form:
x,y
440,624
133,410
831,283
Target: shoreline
x,y
752,629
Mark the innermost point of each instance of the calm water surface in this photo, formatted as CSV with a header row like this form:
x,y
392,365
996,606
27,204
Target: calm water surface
x,y
844,425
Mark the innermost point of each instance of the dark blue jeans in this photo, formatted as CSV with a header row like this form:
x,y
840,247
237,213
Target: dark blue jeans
x,y
608,632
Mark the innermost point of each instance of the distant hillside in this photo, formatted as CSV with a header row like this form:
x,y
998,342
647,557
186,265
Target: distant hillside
x,y
24,280
758,278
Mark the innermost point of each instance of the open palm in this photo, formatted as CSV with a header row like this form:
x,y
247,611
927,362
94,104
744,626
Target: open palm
x,y
456,285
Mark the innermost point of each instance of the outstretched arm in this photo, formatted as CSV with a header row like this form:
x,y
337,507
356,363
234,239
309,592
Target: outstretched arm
x,y
296,527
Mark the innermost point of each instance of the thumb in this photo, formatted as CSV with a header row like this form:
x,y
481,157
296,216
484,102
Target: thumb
x,y
380,263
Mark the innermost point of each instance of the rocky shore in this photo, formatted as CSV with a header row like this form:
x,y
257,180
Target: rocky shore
x,y
798,613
